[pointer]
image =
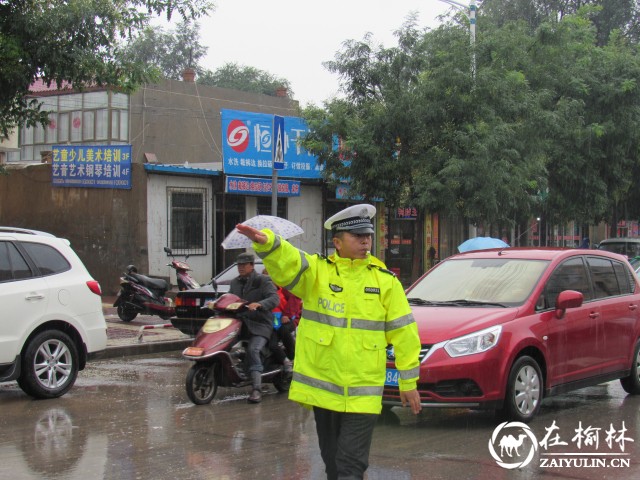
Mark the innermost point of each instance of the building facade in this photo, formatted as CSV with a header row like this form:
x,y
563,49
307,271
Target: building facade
x,y
177,192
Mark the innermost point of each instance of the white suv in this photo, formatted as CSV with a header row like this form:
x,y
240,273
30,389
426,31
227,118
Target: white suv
x,y
51,319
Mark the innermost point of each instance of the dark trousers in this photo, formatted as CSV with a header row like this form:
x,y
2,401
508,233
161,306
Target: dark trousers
x,y
285,334
345,440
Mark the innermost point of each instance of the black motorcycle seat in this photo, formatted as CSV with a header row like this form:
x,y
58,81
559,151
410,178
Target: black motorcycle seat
x,y
155,283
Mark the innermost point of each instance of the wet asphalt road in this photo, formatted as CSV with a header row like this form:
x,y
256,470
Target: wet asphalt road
x,y
130,419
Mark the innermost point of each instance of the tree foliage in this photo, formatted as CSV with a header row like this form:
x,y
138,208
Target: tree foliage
x,y
548,126
169,51
607,15
244,78
73,41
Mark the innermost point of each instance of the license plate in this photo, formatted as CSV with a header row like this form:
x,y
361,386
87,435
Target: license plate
x,y
203,301
392,377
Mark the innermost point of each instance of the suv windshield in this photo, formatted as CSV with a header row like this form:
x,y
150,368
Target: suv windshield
x,y
507,282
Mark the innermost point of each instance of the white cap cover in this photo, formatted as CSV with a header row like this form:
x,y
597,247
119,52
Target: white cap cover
x,y
354,219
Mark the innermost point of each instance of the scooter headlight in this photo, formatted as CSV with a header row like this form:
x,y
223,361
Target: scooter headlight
x,y
193,352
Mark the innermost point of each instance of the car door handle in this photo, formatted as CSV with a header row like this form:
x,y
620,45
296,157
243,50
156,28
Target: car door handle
x,y
633,306
34,296
594,315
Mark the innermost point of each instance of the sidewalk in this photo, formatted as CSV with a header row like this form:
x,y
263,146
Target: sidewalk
x,y
144,334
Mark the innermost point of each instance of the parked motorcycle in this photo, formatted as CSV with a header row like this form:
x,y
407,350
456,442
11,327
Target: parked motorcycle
x,y
141,294
220,357
185,281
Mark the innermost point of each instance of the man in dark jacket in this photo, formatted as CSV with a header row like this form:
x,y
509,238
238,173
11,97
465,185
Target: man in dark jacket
x,y
263,297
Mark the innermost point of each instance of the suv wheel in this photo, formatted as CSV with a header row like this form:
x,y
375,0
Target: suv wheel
x,y
524,391
49,365
631,384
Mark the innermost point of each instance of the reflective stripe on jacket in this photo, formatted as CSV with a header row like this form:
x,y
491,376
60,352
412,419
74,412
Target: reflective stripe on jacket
x,y
352,309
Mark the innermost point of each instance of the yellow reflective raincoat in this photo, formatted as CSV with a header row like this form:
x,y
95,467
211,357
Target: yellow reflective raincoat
x,y
352,309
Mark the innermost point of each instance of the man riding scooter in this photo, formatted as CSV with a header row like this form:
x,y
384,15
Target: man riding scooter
x,y
262,296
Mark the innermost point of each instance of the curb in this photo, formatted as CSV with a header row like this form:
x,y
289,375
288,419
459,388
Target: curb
x,y
118,346
144,348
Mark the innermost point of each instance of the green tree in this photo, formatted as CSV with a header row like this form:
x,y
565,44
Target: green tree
x,y
589,103
169,51
606,15
463,143
246,79
549,126
75,41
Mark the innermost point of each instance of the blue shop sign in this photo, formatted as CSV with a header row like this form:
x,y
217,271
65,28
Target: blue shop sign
x,y
247,139
91,166
261,186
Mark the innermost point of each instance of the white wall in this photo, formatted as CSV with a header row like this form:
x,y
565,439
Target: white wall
x,y
157,227
306,211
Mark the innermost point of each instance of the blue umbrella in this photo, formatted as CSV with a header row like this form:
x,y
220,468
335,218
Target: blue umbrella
x,y
481,243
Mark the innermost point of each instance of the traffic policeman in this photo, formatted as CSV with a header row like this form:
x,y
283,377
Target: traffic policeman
x,y
352,309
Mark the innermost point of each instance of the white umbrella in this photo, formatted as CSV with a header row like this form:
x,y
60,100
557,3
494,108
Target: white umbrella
x,y
277,225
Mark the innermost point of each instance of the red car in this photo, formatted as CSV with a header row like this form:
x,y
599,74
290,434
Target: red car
x,y
503,328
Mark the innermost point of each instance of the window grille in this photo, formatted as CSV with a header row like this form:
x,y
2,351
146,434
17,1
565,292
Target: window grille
x,y
187,220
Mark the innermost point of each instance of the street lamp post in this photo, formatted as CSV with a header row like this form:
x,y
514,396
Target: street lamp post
x,y
471,16
539,233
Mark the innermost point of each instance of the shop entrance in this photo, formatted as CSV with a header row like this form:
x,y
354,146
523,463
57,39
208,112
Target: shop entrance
x,y
403,254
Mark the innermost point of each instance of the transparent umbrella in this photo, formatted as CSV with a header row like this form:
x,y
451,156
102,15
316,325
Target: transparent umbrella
x,y
481,243
280,226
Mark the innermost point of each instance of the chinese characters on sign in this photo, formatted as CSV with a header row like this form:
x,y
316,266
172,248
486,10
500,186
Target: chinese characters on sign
x,y
406,213
91,166
261,186
247,140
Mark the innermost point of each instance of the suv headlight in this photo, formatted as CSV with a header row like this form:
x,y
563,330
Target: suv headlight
x,y
477,342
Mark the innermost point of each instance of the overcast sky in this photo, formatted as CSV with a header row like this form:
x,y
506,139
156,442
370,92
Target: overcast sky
x,y
292,38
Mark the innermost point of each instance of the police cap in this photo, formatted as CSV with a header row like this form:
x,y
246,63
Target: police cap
x,y
355,219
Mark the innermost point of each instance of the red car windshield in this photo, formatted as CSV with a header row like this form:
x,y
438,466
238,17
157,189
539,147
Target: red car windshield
x,y
508,282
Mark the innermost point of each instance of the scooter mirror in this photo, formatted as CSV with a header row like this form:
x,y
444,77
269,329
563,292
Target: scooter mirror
x,y
168,251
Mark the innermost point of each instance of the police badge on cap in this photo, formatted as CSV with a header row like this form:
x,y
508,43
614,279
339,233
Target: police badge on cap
x,y
355,219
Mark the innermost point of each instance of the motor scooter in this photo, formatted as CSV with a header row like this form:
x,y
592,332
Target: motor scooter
x,y
140,294
219,353
185,281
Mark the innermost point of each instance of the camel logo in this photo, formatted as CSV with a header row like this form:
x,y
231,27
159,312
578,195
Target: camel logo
x,y
238,136
515,443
